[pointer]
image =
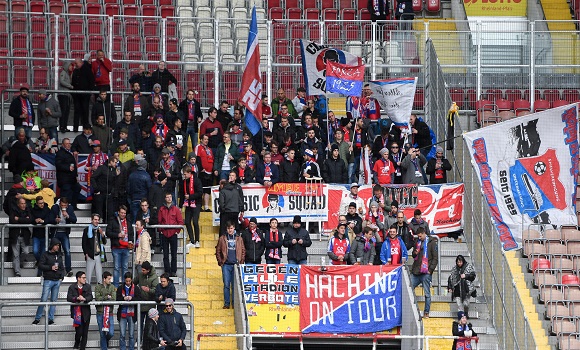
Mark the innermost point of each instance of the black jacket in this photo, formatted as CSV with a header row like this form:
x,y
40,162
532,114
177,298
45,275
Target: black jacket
x,y
297,251
55,212
104,179
183,106
231,199
163,78
88,244
156,196
19,158
150,335
82,144
136,297
168,292
105,108
83,78
334,171
254,250
24,217
430,170
40,213
114,228
47,261
62,161
423,136
15,111
73,294
290,171
184,188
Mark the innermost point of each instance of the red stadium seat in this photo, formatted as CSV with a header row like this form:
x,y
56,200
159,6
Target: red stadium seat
x,y
274,3
313,14
276,13
419,100
167,11
513,94
457,96
77,42
559,103
279,30
96,42
291,3
3,6
281,47
294,13
493,94
333,32
570,95
343,4
570,279
551,95
131,27
540,263
75,9
521,106
347,14
37,6
537,94
38,41
76,26
326,4
364,14
133,44
486,111
19,24
309,4
313,30
150,27
433,5
352,32
152,44
297,31
55,7
118,43
170,28
503,105
93,9
20,74
130,10
112,9
4,75
95,26
40,77
18,6
417,5
19,57
541,105
330,14
149,10
4,53
172,45
38,24
19,41
40,53
209,92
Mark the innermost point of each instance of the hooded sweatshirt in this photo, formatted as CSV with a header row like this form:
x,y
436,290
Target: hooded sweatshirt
x,y
48,259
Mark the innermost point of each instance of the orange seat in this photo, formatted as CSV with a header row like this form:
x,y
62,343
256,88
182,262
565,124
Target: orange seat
x,y
570,279
540,263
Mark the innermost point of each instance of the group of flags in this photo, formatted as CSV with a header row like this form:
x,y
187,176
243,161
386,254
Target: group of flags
x,y
326,71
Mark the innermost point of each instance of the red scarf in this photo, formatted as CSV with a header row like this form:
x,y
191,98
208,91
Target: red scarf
x,y
191,191
26,109
124,242
255,236
128,310
77,317
190,111
274,253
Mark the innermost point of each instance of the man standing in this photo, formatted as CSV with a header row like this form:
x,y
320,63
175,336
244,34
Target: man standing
x,y
190,192
52,268
137,105
101,67
48,113
80,293
213,128
169,214
82,80
104,181
93,242
66,172
120,231
334,169
384,169
143,77
163,77
424,264
191,108
105,320
254,243
412,167
297,240
127,313
438,167
274,242
231,202
64,99
226,157
138,186
172,327
420,135
229,252
267,173
147,280
353,197
19,237
393,251
102,133
310,168
418,221
339,246
104,106
282,100
151,337
22,112
403,230
63,214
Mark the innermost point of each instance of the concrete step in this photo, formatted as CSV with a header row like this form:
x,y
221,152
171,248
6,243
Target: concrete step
x,y
107,265
12,316
60,344
33,293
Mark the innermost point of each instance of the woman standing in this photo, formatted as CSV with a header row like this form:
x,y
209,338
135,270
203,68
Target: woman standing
x,y
190,192
460,283
93,244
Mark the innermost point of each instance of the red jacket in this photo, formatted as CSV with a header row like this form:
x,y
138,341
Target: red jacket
x,y
206,156
106,68
169,216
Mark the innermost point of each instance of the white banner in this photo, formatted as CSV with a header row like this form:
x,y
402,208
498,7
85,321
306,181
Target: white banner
x,y
527,168
396,97
314,58
294,199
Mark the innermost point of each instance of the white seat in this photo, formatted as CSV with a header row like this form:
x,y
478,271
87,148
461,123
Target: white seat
x,y
260,13
185,11
355,48
207,46
187,30
262,33
224,30
241,3
189,45
229,59
185,3
221,12
208,62
241,30
221,3
242,46
240,13
226,46
205,30
203,12
191,58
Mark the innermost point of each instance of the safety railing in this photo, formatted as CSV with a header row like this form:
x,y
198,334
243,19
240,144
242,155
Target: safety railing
x,y
242,323
138,304
50,226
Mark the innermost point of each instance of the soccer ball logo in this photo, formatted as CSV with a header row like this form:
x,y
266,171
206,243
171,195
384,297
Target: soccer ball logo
x,y
540,168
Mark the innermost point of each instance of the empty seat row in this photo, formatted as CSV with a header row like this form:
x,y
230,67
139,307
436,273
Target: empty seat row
x,y
306,4
327,14
466,99
548,277
542,247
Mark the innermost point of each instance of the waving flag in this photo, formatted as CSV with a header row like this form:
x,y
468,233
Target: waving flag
x,y
344,79
251,89
314,59
396,97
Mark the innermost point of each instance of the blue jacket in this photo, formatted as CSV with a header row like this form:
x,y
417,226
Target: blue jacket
x,y
386,250
171,326
138,184
56,213
261,170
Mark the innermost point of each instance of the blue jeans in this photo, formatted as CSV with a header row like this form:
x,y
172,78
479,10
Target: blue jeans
x,y
65,245
135,207
298,262
103,334
53,132
224,174
168,243
37,249
351,177
228,278
71,191
52,288
127,324
425,280
121,260
190,132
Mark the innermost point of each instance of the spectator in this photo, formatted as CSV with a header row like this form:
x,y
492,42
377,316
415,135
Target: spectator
x,y
420,135
375,218
80,293
126,313
45,192
250,155
104,106
48,113
384,169
266,109
169,214
213,128
244,173
101,67
82,80
40,216
105,291
462,329
52,268
396,157
138,105
66,172
147,280
230,251
379,197
310,168
162,101
273,241
93,244
299,102
223,115
393,251
22,113
104,181
284,130
164,290
206,157
282,100
332,127
424,264
418,221
460,283
226,157
129,125
412,167
163,77
160,128
267,173
19,237
96,158
173,112
151,337
339,246
63,214
83,143
138,186
20,158
231,202
44,144
190,192
126,156
170,168
362,251
345,152
143,77
371,109
102,133
149,218
311,142
358,142
353,216
157,192
64,99
403,230
172,327
192,163
147,143
277,158
352,197
391,214
297,240
254,242
438,167
191,108
290,168
120,232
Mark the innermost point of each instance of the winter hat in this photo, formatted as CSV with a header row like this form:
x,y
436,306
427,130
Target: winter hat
x,y
152,313
297,219
460,315
168,301
309,153
254,220
161,177
156,86
383,151
374,204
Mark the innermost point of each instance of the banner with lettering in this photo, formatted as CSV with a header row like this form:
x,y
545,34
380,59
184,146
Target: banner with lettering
x,y
271,284
396,97
494,8
527,169
350,299
308,202
45,165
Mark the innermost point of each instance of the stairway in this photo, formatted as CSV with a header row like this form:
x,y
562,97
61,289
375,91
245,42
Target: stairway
x,y
446,40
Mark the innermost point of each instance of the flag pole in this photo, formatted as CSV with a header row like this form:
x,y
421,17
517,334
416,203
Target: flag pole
x,y
328,148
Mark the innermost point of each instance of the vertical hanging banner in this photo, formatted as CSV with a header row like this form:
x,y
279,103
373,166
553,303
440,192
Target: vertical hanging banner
x,y
314,59
350,299
251,88
527,168
396,97
344,79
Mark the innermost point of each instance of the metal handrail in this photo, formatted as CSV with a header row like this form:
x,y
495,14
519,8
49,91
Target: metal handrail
x,y
47,304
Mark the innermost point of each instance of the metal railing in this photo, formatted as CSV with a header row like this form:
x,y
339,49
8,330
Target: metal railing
x,y
242,323
138,304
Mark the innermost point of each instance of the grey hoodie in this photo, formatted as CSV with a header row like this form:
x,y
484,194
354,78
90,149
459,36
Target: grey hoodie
x,y
65,78
45,120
